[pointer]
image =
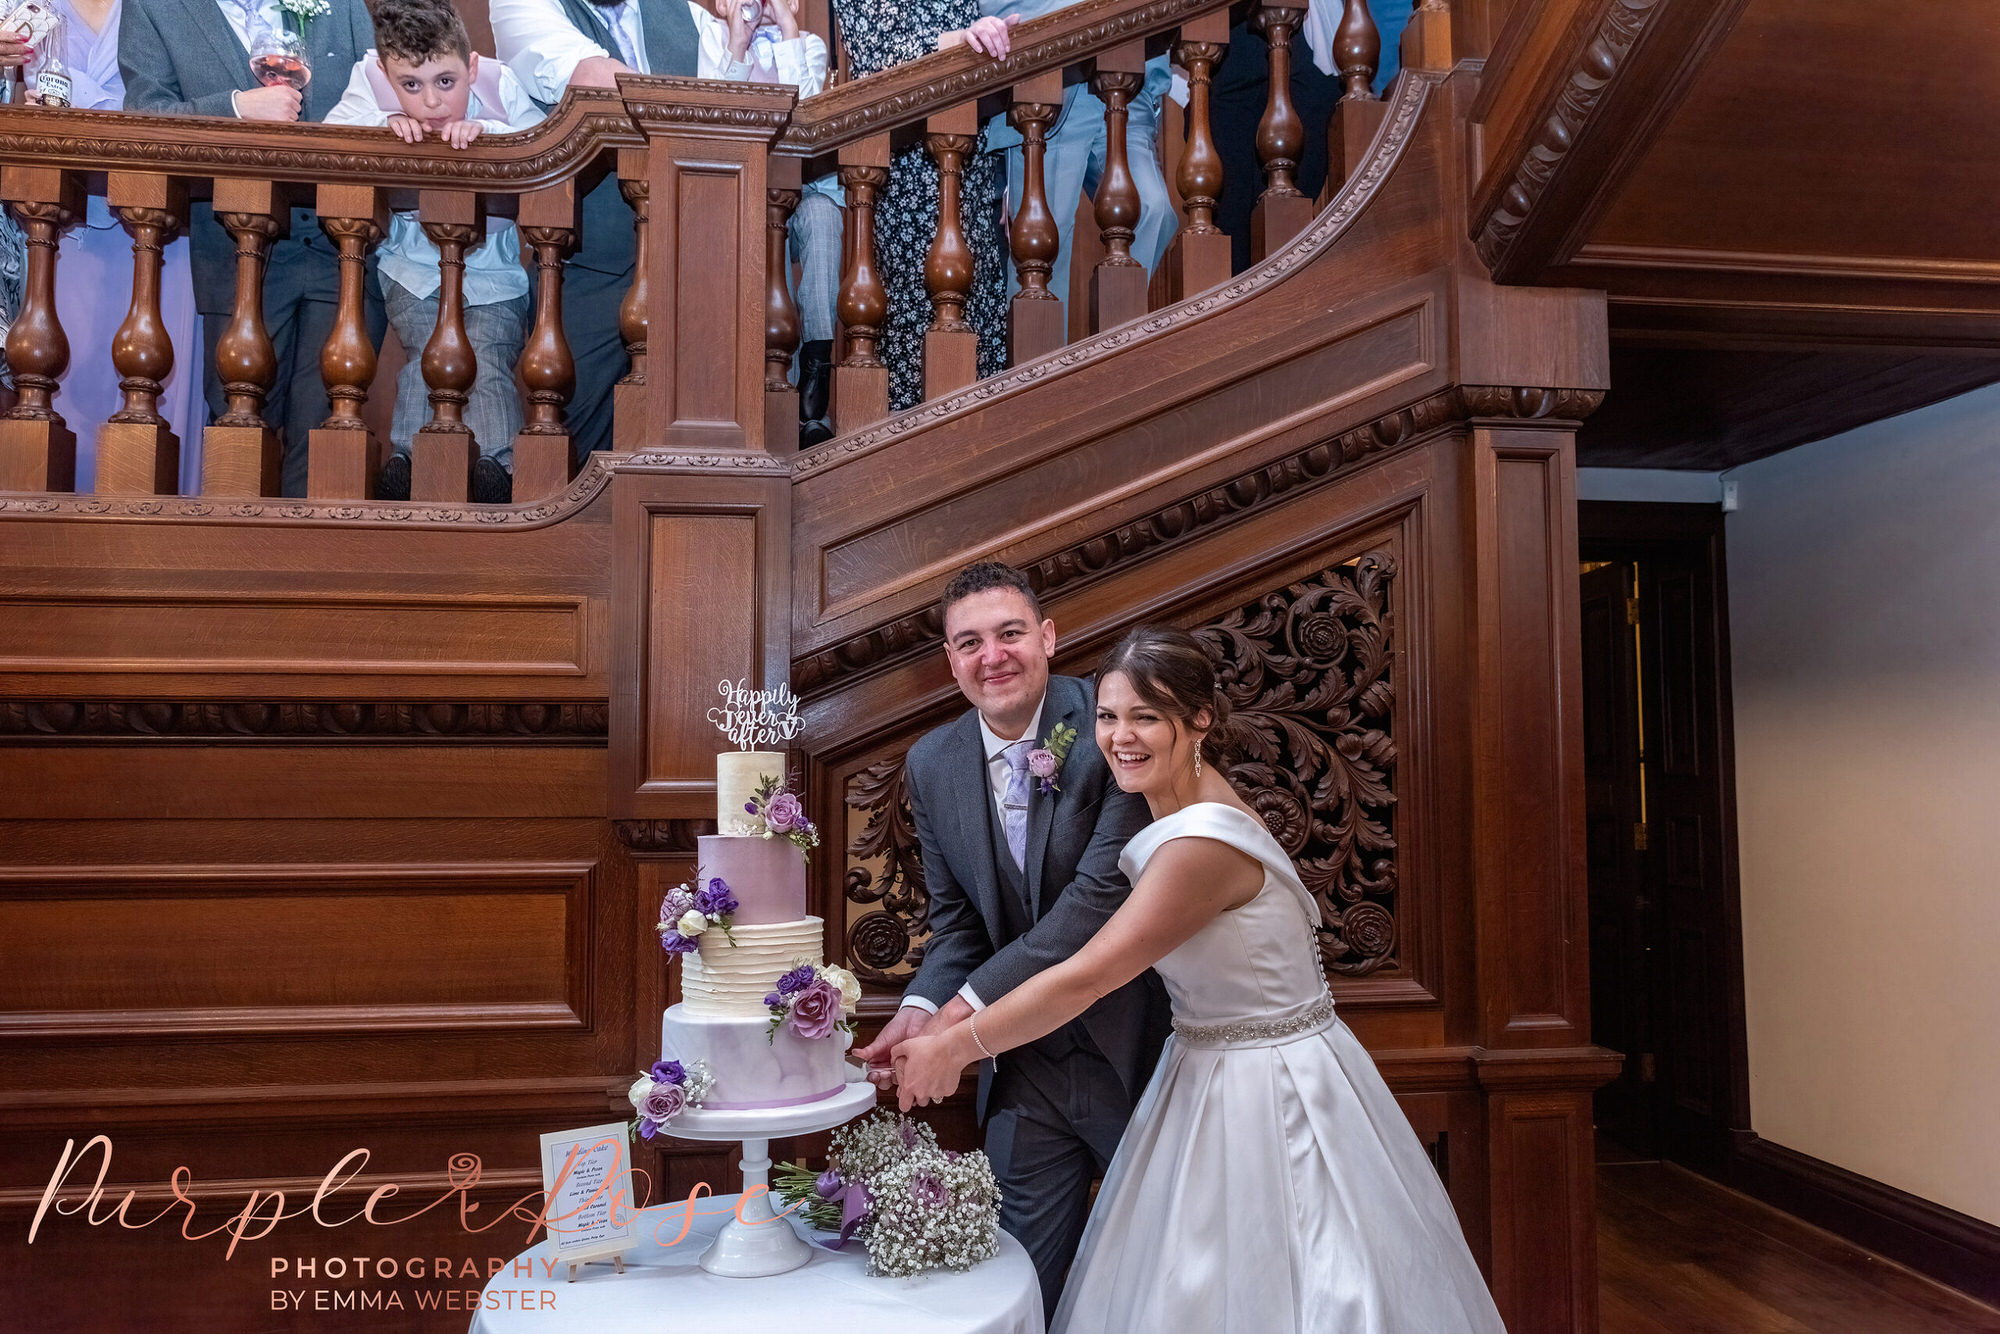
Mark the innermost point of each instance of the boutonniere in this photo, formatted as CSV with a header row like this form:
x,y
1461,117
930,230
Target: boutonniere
x,y
299,11
1045,760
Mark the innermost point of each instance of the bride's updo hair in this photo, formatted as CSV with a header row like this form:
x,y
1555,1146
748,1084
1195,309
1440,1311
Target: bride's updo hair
x,y
1171,671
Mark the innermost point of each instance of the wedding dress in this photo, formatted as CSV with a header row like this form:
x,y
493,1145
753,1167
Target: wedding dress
x,y
1268,1181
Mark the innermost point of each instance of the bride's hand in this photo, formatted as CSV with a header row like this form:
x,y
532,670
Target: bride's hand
x,y
927,1071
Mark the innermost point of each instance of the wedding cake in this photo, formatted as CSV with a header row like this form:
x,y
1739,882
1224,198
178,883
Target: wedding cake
x,y
760,1013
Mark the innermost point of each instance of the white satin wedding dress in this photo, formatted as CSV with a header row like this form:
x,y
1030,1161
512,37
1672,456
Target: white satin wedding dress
x,y
1268,1181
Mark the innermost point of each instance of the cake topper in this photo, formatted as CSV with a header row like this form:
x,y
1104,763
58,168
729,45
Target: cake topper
x,y
752,719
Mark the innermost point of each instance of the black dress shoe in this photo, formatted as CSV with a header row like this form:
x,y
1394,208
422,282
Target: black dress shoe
x,y
815,392
394,484
491,483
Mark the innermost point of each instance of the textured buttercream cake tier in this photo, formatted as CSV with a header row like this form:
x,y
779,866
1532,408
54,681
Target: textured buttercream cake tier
x,y
767,875
738,775
754,1067
725,981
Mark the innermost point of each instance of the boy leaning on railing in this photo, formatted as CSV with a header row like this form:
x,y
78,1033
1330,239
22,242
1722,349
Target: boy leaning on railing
x,y
423,78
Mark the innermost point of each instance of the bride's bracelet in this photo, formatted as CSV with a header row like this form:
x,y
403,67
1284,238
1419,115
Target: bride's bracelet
x,y
972,1022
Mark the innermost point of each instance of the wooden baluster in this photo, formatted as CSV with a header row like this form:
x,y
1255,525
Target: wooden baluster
x,y
951,348
1199,258
37,448
1427,37
441,455
344,457
137,450
628,396
783,189
1357,49
861,381
548,223
1282,211
1035,321
239,453
1118,282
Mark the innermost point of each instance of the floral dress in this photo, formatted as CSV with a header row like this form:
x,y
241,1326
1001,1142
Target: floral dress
x,y
877,35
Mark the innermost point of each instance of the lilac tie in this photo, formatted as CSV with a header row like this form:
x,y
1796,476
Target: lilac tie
x,y
1014,805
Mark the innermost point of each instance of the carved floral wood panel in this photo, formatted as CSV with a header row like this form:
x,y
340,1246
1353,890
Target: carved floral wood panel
x,y
1309,673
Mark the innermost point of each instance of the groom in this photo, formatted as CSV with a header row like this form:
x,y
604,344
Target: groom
x,y
1019,878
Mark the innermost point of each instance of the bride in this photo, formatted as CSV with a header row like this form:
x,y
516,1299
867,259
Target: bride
x,y
1268,1181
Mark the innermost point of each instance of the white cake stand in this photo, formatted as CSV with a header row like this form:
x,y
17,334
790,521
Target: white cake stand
x,y
757,1242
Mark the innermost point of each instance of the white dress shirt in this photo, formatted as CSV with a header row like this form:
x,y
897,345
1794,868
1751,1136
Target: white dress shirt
x,y
543,47
799,61
409,258
996,784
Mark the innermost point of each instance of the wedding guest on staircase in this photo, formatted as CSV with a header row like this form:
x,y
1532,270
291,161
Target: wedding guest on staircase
x,y
95,271
880,34
192,58
552,45
423,78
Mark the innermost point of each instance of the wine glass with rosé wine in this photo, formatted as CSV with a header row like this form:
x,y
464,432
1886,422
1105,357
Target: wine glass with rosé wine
x,y
279,57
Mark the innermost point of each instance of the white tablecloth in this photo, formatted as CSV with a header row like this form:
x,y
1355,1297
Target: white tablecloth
x,y
664,1288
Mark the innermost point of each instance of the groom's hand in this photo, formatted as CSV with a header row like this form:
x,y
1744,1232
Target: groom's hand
x,y
906,1023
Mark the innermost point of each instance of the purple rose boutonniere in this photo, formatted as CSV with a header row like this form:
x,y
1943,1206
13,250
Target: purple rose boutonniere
x,y
1045,761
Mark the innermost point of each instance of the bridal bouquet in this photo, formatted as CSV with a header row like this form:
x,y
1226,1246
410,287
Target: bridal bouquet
x,y
916,1207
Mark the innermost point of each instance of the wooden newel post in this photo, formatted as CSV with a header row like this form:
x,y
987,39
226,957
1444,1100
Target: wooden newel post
x,y
1035,320
1199,258
951,348
628,396
708,146
441,455
1357,50
548,223
1118,282
861,381
137,450
239,453
1282,211
37,449
783,190
343,457
1427,39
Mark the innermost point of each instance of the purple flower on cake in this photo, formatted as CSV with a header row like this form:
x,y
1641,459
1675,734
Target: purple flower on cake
x,y
716,902
815,1011
673,942
686,913
784,813
666,1091
776,813
797,980
663,1104
669,1072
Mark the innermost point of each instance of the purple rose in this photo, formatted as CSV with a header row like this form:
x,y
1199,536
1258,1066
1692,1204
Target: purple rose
x,y
675,905
783,813
816,1010
716,900
773,1001
664,1103
908,1131
673,942
1042,763
668,1072
827,1183
928,1192
797,980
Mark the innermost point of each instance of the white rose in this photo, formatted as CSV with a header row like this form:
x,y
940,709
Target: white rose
x,y
850,986
640,1088
692,924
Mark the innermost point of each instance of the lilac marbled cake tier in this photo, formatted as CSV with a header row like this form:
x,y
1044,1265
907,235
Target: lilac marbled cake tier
x,y
754,1067
767,875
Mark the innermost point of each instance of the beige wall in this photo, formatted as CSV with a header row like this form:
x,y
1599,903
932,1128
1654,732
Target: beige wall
x,y
1864,585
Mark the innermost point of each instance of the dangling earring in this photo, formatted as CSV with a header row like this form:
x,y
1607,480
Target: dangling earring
x,y
1197,761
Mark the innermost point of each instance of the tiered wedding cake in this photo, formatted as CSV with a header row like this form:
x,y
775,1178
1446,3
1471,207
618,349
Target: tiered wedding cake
x,y
755,997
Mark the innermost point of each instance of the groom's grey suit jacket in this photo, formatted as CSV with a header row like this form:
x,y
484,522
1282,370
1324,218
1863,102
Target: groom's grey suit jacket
x,y
1072,882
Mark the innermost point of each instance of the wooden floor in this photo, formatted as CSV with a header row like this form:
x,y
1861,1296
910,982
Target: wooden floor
x,y
1678,1254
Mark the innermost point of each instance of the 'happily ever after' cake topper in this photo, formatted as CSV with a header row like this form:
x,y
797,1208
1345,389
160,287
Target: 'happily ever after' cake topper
x,y
753,719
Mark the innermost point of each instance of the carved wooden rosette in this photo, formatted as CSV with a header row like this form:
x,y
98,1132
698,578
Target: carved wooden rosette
x,y
1199,258
628,406
1282,210
1308,669
37,449
343,457
137,451
239,453
861,381
1118,281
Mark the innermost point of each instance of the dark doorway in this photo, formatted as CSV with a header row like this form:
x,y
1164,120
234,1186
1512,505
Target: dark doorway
x,y
1665,934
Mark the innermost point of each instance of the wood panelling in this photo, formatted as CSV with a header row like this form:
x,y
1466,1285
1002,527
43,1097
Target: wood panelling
x,y
140,950
688,647
1540,1161
320,634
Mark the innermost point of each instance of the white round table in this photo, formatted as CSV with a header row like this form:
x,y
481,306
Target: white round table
x,y
664,1288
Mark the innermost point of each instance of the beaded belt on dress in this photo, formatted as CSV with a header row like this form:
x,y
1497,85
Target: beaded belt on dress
x,y
1314,1016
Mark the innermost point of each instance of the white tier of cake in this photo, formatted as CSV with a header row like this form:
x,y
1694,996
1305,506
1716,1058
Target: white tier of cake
x,y
767,875
725,981
753,1066
738,775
